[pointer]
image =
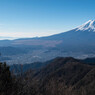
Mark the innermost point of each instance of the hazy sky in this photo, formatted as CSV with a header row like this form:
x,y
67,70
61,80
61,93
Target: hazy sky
x,y
30,18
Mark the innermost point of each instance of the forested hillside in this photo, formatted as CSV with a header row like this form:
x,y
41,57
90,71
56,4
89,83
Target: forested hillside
x,y
62,76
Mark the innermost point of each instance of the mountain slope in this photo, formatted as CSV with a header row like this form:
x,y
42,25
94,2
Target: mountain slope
x,y
65,67
78,43
82,34
66,76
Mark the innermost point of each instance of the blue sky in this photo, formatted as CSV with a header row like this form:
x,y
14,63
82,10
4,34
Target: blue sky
x,y
31,18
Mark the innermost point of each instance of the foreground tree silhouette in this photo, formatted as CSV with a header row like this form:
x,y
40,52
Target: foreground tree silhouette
x,y
5,79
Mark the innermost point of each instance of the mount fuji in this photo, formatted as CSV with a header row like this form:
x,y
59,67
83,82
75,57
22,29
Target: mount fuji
x,y
80,40
83,35
89,25
78,43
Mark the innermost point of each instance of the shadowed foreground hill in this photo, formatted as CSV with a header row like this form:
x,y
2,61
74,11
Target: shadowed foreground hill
x,y
87,83
62,76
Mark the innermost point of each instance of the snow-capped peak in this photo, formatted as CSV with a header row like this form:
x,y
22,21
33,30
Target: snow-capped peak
x,y
89,25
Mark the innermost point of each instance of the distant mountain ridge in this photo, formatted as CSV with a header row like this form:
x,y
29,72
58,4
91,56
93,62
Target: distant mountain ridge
x,y
39,65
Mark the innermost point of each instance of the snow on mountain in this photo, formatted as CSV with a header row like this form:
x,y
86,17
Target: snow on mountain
x,y
89,25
